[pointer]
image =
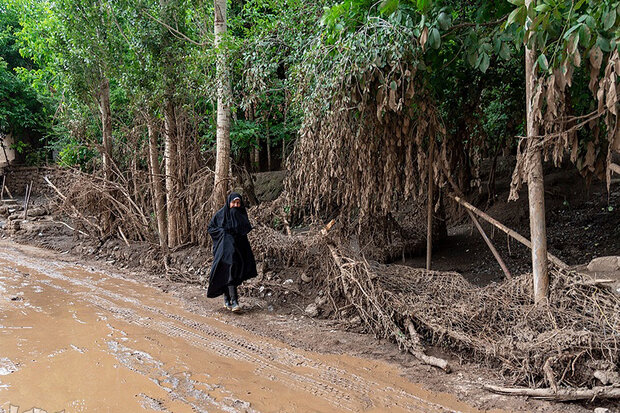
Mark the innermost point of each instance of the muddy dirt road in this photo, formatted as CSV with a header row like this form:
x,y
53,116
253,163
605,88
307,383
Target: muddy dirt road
x,y
80,339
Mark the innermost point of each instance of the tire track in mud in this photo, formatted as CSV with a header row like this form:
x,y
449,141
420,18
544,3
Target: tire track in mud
x,y
342,389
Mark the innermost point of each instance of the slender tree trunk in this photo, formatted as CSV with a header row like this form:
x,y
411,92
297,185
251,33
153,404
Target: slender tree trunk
x,y
429,206
171,156
222,160
268,149
106,125
535,184
256,154
182,167
159,197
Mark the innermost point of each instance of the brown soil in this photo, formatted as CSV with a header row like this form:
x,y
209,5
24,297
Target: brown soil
x,y
180,350
584,222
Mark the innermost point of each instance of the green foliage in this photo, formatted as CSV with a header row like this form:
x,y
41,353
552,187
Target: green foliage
x,y
74,154
562,30
23,112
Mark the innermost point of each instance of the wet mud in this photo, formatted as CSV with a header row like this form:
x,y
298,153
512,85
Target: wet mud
x,y
78,339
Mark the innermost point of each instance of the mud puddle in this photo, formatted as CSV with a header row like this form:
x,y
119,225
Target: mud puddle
x,y
80,340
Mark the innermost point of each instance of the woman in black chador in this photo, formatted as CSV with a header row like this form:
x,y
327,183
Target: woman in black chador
x,y
233,260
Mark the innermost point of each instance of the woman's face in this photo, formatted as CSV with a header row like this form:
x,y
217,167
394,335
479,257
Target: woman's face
x,y
235,203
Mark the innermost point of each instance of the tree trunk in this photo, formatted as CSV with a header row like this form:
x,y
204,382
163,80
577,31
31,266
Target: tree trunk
x,y
222,160
181,173
535,184
106,125
429,206
171,156
256,154
268,148
159,196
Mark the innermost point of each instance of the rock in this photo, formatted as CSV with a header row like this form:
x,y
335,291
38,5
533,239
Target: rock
x,y
312,310
305,277
601,410
604,264
287,282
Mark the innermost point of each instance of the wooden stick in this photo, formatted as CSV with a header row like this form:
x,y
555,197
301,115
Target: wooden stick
x,y
2,189
499,259
120,231
70,227
60,194
564,395
6,188
555,260
615,168
429,218
27,200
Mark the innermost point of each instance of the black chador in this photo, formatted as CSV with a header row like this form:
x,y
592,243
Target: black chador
x,y
233,260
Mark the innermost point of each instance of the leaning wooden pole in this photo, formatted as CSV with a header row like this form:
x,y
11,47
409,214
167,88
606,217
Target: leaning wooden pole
x,y
499,259
535,182
429,207
555,260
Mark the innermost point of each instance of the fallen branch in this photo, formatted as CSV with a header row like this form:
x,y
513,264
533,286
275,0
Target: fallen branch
x,y
120,231
555,260
64,198
561,395
372,308
70,227
419,354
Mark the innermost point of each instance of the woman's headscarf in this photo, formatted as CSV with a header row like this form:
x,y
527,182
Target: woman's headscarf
x,y
236,219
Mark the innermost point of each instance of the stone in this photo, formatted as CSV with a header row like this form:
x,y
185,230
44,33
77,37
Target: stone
x,y
604,264
306,278
601,410
312,310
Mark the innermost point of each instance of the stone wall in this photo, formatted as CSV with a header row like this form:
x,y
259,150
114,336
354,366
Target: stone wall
x,y
17,177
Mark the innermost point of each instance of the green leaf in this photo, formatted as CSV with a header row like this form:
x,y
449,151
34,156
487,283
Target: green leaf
x,y
512,18
423,5
584,35
542,8
485,61
579,4
517,2
604,44
434,38
444,20
388,7
609,19
542,62
497,44
504,51
393,85
472,58
571,30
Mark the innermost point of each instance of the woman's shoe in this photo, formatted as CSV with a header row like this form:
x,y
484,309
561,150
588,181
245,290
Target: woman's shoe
x,y
227,303
234,306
